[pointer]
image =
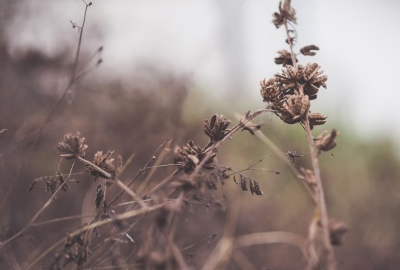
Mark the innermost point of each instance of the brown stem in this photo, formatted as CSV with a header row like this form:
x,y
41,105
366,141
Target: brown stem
x,y
290,45
328,256
320,196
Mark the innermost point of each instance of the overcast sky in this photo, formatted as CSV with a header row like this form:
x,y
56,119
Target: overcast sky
x,y
226,44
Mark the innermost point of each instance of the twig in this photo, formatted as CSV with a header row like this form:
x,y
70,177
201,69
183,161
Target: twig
x,y
320,196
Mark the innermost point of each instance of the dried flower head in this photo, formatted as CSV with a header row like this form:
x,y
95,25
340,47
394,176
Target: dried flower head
x,y
216,127
286,13
309,77
316,119
309,50
269,90
105,163
289,79
326,142
293,110
72,146
189,156
312,80
284,58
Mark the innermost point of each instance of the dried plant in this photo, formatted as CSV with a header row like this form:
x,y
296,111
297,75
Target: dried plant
x,y
297,86
148,214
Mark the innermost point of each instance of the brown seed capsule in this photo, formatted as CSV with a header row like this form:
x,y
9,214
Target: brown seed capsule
x,y
326,142
308,50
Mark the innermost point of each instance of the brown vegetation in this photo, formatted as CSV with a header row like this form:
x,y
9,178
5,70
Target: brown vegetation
x,y
136,190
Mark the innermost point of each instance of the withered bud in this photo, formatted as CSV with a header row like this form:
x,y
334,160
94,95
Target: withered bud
x,y
269,90
313,80
293,110
243,183
255,188
316,119
289,79
216,127
72,146
284,58
337,229
105,163
189,156
286,12
309,50
326,142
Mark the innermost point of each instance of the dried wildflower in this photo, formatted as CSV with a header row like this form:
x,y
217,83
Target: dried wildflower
x,y
312,80
72,146
284,58
337,230
316,119
289,79
190,156
326,142
293,110
269,90
309,50
216,127
286,13
105,163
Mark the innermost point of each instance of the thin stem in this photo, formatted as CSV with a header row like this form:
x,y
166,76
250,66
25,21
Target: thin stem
x,y
328,256
320,196
38,213
290,45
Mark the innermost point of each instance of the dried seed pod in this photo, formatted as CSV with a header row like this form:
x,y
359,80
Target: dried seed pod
x,y
313,80
289,80
189,156
286,12
316,119
216,127
269,90
255,188
105,163
243,183
293,109
72,146
326,142
299,105
309,50
284,58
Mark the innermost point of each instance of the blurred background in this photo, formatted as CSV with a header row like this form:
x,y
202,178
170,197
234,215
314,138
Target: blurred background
x,y
167,65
